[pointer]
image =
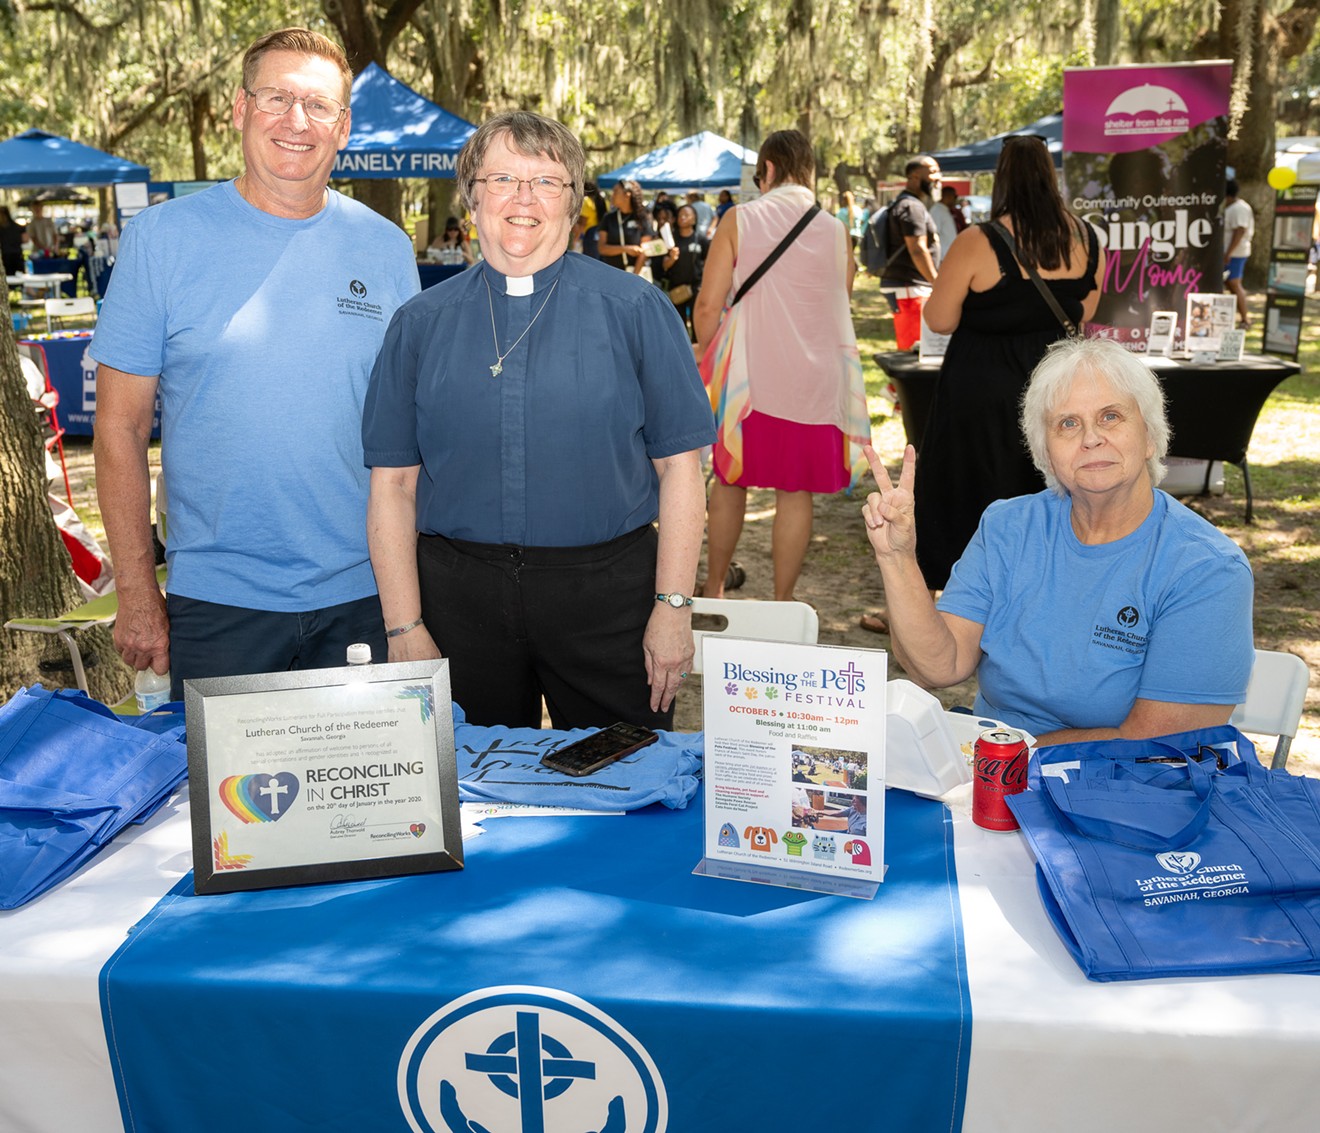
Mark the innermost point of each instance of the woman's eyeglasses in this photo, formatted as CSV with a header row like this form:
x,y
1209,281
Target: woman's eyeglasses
x,y
505,185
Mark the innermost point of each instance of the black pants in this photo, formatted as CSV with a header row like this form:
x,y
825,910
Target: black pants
x,y
563,623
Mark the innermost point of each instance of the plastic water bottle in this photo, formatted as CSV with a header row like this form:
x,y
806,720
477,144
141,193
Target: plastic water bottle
x,y
359,653
152,689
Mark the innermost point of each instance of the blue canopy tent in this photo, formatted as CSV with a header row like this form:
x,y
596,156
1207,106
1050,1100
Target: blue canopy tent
x,y
398,133
36,158
981,157
703,161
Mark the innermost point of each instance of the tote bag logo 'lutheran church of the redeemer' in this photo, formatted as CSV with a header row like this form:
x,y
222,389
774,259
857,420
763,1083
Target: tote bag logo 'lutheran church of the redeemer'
x,y
1147,109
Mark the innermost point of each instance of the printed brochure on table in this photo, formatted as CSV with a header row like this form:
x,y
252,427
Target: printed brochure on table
x,y
795,758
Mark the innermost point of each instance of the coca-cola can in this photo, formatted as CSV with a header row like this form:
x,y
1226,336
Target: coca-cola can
x,y
999,770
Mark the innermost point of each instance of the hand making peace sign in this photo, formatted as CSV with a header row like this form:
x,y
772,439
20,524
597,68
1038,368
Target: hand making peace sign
x,y
889,513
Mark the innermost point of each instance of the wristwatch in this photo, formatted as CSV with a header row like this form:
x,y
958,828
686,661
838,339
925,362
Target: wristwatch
x,y
678,601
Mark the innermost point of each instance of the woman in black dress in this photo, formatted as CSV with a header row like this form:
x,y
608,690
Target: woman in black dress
x,y
972,453
624,228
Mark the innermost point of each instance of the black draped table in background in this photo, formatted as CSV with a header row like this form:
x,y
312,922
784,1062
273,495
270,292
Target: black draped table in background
x,y
1212,406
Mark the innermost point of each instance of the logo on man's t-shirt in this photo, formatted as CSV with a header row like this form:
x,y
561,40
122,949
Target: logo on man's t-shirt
x,y
354,303
1128,617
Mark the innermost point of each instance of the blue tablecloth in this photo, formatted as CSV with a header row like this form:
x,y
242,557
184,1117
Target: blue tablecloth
x,y
73,376
573,976
48,265
431,274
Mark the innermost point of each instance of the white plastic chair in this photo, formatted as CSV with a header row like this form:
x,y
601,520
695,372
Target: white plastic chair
x,y
758,620
83,307
1276,695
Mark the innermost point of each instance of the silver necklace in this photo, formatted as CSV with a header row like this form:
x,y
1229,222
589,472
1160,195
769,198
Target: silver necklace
x,y
498,368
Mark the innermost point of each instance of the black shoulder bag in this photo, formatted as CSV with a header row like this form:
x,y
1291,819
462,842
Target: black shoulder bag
x,y
765,265
1045,293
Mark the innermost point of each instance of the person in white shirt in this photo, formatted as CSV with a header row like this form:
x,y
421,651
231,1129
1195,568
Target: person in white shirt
x,y
1239,227
942,214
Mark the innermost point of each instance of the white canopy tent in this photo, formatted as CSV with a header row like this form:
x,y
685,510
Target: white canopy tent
x,y
1301,154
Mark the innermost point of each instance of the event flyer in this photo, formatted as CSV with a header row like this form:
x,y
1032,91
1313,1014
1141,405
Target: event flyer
x,y
343,771
795,758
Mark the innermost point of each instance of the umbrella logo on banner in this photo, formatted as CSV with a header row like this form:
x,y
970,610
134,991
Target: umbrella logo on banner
x,y
259,798
1147,109
526,1060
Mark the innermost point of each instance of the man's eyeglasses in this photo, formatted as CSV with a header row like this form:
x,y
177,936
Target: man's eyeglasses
x,y
506,185
317,107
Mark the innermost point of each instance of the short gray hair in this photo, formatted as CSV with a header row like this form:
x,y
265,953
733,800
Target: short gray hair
x,y
1126,372
532,134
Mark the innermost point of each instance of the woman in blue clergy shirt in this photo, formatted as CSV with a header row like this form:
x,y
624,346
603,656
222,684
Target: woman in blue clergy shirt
x,y
526,424
1097,608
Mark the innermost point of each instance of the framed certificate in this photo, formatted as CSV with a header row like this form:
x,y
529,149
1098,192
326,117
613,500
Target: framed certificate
x,y
322,775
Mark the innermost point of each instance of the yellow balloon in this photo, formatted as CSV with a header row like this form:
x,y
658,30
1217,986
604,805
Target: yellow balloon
x,y
1281,178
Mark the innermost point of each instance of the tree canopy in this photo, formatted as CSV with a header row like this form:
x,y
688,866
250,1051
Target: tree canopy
x,y
871,81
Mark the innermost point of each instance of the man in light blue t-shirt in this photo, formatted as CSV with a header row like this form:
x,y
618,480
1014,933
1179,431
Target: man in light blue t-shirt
x,y
255,309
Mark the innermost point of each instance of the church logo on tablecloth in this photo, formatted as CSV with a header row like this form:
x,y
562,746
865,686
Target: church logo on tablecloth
x,y
528,1060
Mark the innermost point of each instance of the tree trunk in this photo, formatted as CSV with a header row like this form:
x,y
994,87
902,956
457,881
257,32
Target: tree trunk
x,y
36,577
199,126
1257,42
1108,31
367,39
385,196
932,97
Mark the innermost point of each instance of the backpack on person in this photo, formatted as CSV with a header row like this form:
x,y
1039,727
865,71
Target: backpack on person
x,y
877,254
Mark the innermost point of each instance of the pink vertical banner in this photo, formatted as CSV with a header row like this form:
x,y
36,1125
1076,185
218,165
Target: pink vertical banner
x,y
1144,151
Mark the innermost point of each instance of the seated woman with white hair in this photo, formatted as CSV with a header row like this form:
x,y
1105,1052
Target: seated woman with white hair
x,y
1098,608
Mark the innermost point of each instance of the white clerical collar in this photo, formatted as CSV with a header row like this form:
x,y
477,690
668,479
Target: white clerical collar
x,y
519,284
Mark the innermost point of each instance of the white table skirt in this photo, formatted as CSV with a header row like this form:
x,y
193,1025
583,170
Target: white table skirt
x,y
1050,1050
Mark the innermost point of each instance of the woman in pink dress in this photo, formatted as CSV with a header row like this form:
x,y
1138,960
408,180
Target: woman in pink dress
x,y
780,363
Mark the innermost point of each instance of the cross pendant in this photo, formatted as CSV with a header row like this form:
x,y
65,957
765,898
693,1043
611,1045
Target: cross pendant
x,y
496,370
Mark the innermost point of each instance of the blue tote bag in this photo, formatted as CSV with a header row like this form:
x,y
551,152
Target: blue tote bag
x,y
72,776
1178,856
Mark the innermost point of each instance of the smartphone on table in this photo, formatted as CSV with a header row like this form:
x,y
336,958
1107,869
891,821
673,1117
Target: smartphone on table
x,y
599,749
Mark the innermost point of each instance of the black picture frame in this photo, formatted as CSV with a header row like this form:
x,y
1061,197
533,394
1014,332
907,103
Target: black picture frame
x,y
358,693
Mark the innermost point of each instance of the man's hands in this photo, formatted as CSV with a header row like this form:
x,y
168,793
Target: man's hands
x,y
142,630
